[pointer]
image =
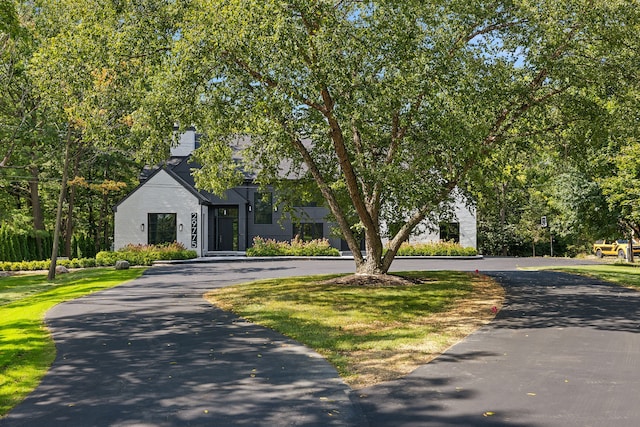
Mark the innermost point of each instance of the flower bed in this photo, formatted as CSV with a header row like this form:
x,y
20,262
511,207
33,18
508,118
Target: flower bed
x,y
435,249
145,254
297,247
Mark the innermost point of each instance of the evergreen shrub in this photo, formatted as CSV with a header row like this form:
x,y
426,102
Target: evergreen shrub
x,y
44,265
21,246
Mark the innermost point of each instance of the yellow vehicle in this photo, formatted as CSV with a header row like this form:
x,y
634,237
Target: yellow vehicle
x,y
617,248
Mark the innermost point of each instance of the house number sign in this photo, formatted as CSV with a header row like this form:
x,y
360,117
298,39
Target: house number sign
x,y
194,230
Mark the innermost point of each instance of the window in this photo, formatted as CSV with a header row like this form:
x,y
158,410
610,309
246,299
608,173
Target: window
x,y
263,203
450,232
307,231
162,228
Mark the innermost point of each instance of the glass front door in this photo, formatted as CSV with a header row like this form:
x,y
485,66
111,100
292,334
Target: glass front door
x,y
223,228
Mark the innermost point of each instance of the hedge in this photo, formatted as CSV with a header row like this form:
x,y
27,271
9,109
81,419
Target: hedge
x,y
44,265
135,254
22,246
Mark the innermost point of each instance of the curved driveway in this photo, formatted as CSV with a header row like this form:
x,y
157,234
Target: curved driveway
x,y
564,351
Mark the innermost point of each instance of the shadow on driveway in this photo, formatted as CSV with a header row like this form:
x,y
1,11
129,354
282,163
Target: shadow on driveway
x,y
564,351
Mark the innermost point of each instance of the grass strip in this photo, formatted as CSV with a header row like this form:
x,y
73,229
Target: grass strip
x,y
370,334
26,347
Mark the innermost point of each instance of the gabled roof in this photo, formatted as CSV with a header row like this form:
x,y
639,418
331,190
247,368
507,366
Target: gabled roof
x,y
202,199
180,167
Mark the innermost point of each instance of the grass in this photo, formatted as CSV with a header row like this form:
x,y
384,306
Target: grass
x,y
622,274
26,347
369,333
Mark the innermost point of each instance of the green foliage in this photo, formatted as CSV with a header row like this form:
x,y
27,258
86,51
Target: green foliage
x,y
145,254
21,246
296,247
435,249
622,186
82,246
44,265
403,102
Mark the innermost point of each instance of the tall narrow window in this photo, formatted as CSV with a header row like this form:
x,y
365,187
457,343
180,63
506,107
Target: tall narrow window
x,y
263,203
162,228
450,232
308,231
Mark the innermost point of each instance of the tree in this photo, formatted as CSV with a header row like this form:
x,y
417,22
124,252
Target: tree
x,y
24,134
88,70
620,166
9,24
397,104
75,72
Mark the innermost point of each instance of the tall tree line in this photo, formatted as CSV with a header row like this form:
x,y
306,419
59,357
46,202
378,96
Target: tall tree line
x,y
67,78
530,109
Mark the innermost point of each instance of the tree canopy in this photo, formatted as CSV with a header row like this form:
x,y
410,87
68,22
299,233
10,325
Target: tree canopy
x,y
399,105
391,109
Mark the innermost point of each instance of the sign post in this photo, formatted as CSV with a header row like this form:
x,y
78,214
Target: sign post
x,y
543,224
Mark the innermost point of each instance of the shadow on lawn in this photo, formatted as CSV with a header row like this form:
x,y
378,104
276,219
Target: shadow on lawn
x,y
154,352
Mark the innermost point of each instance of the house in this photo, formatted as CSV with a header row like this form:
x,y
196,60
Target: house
x,y
167,207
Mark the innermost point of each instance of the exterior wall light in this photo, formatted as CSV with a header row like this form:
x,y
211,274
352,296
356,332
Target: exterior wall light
x,y
141,227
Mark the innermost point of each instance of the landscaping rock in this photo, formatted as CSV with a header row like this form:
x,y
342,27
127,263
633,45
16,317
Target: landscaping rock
x,y
4,274
122,265
61,269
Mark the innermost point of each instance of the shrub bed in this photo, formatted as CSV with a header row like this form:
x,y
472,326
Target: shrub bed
x,y
135,254
297,247
44,265
145,254
435,249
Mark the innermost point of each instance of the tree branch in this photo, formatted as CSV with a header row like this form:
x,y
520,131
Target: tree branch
x,y
463,39
273,84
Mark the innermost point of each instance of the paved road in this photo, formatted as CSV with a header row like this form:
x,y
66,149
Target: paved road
x,y
564,351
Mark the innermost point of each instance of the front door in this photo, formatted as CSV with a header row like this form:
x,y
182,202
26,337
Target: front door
x,y
223,228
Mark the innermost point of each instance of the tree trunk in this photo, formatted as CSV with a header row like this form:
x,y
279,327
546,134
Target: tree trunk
x,y
102,235
372,264
63,189
68,233
36,208
329,196
503,218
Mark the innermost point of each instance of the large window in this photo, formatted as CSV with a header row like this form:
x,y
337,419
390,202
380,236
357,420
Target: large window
x,y
162,228
263,203
450,232
308,231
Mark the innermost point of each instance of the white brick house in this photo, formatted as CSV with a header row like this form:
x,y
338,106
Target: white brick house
x,y
166,207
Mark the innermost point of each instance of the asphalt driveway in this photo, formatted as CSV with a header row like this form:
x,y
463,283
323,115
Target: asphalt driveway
x,y
564,351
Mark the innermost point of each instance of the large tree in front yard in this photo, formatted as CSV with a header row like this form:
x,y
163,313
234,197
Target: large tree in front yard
x,y
398,104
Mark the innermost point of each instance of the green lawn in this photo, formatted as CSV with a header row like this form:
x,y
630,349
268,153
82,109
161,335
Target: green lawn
x,y
369,333
26,348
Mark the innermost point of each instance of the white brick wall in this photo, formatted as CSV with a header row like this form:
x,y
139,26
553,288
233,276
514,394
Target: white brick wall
x,y
160,194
